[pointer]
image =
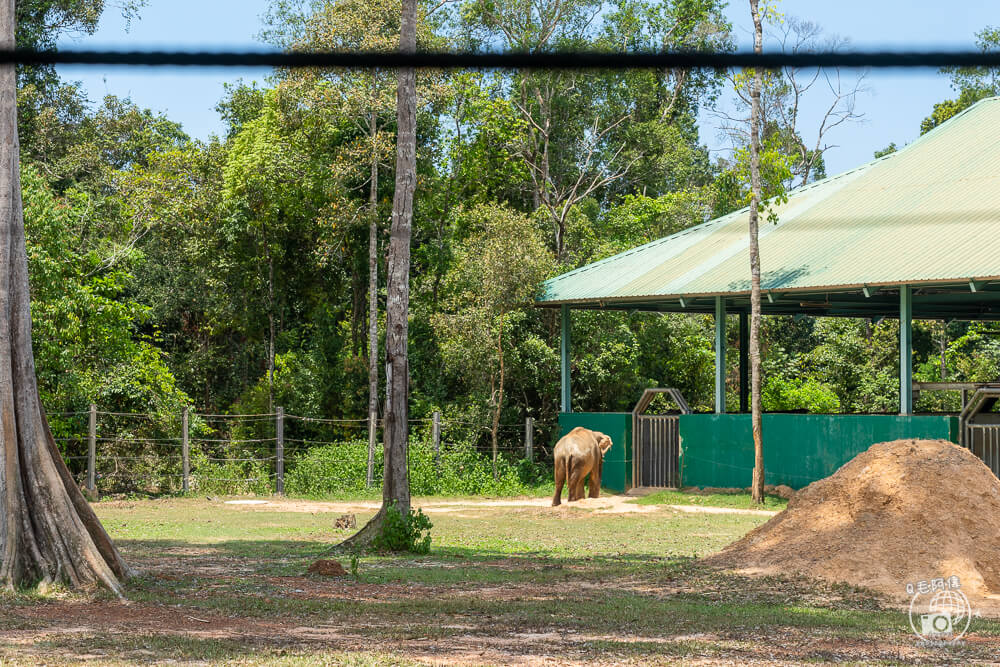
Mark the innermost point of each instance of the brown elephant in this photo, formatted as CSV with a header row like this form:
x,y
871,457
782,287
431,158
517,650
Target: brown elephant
x,y
579,453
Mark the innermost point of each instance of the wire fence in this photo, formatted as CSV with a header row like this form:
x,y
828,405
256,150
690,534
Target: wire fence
x,y
147,453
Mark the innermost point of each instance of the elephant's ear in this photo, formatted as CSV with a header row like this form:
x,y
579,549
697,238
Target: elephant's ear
x,y
605,444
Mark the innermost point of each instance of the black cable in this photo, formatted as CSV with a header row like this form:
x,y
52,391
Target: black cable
x,y
446,60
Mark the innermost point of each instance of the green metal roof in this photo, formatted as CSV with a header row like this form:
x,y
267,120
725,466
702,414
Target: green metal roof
x,y
927,215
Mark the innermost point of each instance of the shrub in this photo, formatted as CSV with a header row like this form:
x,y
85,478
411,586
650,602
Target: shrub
x,y
331,469
409,532
788,394
341,468
244,474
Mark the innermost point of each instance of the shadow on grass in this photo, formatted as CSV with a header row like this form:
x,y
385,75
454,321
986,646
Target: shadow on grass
x,y
254,576
457,567
130,649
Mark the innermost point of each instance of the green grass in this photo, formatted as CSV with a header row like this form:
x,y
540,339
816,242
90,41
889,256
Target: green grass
x,y
225,585
738,500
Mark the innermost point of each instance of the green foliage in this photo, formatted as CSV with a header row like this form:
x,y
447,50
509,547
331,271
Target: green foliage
x,y
404,532
799,394
341,468
972,83
355,566
331,469
732,185
244,474
888,150
84,322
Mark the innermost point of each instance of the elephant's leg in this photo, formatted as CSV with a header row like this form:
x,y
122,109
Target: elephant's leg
x,y
560,468
575,482
595,484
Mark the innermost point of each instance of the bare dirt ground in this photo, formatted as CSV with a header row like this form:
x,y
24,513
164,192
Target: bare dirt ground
x,y
613,504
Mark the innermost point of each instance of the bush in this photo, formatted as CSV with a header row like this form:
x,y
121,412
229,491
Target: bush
x,y
341,468
410,532
233,477
331,469
791,394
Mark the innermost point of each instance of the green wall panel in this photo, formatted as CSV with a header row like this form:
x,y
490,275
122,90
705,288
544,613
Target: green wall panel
x,y
717,450
617,474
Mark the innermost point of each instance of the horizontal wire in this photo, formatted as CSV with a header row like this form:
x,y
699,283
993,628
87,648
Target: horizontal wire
x,y
265,414
329,421
144,415
233,441
459,60
153,440
269,458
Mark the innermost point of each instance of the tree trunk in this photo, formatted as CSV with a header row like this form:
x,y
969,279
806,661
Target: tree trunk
x,y
943,346
372,303
757,487
270,326
396,482
48,532
496,414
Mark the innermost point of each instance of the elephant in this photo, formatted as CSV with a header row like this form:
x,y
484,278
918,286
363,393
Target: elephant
x,y
577,454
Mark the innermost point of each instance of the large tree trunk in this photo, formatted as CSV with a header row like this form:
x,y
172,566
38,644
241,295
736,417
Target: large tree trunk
x,y
372,303
757,487
48,532
396,482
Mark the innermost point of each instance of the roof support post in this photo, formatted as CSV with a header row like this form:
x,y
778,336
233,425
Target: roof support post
x,y
744,362
720,355
905,350
564,376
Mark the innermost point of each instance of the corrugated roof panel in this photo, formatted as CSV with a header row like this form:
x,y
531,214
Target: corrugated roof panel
x,y
929,212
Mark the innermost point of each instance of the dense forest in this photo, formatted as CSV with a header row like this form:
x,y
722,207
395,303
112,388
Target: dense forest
x,y
232,275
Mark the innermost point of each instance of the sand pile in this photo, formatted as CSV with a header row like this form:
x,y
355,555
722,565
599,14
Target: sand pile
x,y
899,513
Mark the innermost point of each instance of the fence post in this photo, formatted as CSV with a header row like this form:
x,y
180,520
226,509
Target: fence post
x,y
92,451
529,437
279,451
185,453
436,438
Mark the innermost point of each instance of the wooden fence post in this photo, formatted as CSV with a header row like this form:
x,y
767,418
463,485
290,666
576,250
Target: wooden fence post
x,y
529,437
436,438
279,451
185,453
92,451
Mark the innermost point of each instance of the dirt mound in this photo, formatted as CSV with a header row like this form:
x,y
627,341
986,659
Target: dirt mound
x,y
901,512
327,568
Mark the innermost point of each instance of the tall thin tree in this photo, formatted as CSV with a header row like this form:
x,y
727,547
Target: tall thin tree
x,y
396,482
372,304
48,532
757,486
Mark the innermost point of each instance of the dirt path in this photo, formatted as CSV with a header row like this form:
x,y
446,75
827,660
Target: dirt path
x,y
616,504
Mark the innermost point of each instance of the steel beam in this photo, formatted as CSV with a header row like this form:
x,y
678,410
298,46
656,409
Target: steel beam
x,y
905,350
744,362
564,374
720,355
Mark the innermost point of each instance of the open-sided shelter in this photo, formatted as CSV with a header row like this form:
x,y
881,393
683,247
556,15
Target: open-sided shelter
x,y
914,234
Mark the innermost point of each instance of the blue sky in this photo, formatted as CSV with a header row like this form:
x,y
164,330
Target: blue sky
x,y
893,108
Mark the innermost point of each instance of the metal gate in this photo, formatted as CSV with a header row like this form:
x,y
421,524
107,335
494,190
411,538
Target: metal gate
x,y
657,450
656,442
984,441
979,427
